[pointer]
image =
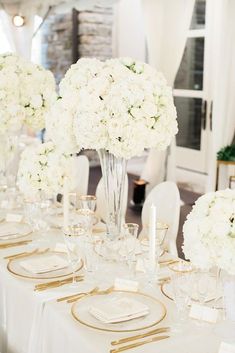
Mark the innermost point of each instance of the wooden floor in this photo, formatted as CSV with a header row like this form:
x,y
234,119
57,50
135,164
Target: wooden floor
x,y
134,215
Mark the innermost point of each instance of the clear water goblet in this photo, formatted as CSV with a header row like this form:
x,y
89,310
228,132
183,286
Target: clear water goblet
x,y
181,284
72,234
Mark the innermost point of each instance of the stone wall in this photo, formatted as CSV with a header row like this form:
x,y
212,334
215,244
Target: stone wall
x,y
94,38
95,33
57,44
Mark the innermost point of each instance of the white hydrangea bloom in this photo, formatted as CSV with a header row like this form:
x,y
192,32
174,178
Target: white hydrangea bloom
x,y
26,93
44,168
209,231
119,105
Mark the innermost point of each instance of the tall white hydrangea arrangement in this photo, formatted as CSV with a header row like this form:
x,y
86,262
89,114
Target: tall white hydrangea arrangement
x,y
209,231
120,105
43,168
27,92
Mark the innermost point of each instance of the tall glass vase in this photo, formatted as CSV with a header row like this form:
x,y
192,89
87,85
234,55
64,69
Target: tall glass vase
x,y
113,171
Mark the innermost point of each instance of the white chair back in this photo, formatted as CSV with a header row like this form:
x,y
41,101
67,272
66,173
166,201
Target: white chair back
x,y
101,200
165,196
81,166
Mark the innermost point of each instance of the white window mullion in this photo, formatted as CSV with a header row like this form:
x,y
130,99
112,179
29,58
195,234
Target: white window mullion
x,y
188,93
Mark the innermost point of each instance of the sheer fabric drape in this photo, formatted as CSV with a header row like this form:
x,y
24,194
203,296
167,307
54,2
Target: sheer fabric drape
x,y
166,26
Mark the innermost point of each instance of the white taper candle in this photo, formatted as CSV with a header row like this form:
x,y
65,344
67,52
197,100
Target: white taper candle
x,y
66,203
152,237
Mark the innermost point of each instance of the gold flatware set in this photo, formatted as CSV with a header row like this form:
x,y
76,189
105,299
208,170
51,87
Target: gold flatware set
x,y
139,337
137,344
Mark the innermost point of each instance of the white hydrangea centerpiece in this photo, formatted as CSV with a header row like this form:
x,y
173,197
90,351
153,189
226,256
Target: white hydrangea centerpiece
x,y
209,231
27,91
43,168
120,105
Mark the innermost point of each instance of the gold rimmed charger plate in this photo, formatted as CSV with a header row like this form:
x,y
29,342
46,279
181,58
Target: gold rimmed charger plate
x,y
166,292
14,267
12,237
157,312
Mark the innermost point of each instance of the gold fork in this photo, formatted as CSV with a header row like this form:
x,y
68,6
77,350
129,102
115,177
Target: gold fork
x,y
106,291
77,295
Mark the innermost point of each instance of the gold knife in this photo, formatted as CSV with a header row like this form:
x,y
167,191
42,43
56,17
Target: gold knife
x,y
137,344
9,245
142,335
58,283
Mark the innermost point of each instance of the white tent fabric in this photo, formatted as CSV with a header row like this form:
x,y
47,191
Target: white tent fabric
x,y
222,38
129,30
20,38
166,25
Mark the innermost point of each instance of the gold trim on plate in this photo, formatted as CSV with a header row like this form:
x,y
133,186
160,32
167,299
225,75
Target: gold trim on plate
x,y
7,238
121,330
41,278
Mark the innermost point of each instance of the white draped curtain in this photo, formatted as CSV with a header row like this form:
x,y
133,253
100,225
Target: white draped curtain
x,y
222,39
20,38
166,26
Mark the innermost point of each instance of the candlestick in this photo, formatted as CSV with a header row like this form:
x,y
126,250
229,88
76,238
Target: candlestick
x,y
66,204
152,238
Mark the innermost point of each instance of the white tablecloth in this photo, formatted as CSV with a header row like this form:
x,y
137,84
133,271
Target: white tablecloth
x,y
33,322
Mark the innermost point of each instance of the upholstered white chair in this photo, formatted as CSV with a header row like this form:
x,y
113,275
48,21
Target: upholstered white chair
x,y
101,200
81,167
165,196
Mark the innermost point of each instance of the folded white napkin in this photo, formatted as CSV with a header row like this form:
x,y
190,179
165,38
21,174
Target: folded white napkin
x,y
7,229
122,309
47,264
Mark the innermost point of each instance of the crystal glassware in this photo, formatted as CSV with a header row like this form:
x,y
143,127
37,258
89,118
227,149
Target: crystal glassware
x,y
86,216
71,236
87,202
130,243
181,284
113,172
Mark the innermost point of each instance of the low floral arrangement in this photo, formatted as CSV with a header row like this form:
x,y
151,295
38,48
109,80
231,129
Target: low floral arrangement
x,y
209,231
43,168
26,93
120,105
